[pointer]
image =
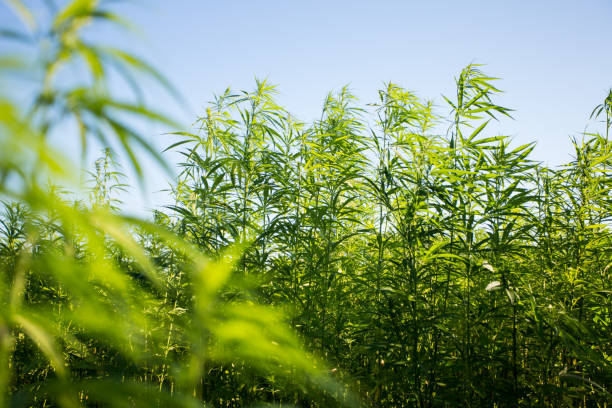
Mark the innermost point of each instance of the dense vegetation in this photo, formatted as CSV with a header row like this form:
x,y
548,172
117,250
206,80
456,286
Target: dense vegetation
x,y
423,261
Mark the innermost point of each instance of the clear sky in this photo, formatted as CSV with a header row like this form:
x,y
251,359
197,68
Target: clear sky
x,y
554,57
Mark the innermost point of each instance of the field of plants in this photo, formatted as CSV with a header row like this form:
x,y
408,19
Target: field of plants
x,y
389,254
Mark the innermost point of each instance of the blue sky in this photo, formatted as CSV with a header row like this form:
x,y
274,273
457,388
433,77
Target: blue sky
x,y
554,57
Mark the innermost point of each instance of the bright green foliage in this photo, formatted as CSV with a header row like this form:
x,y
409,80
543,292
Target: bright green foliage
x,y
426,268
429,270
